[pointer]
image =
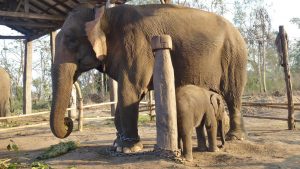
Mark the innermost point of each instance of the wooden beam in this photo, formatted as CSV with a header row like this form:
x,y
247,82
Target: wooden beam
x,y
12,37
31,16
18,6
43,11
27,24
268,117
52,6
27,78
63,4
26,6
113,92
73,99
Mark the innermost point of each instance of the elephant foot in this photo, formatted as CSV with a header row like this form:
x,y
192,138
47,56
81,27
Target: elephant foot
x,y
188,157
126,147
202,148
235,135
214,149
136,147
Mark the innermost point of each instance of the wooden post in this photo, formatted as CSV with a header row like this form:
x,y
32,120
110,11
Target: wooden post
x,y
285,64
80,107
52,45
163,80
27,78
73,99
109,4
113,92
165,1
151,112
26,6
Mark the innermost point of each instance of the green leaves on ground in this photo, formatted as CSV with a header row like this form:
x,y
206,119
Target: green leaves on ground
x,y
40,165
6,164
58,149
12,146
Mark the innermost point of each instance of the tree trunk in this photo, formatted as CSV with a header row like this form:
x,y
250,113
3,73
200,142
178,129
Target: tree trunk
x,y
264,67
259,67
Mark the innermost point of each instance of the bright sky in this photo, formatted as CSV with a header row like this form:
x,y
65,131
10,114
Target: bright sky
x,y
281,12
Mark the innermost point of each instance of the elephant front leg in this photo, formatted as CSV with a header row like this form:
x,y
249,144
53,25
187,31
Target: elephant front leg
x,y
127,119
117,121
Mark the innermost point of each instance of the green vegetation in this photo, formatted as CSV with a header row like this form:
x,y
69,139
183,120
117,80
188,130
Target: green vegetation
x,y
6,164
144,118
40,165
58,149
12,146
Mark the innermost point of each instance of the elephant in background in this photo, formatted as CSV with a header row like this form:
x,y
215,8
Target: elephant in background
x,y
5,93
207,51
197,107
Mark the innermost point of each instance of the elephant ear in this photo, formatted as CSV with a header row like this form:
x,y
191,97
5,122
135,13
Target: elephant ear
x,y
216,102
95,35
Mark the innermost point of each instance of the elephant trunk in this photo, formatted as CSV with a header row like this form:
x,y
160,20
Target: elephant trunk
x,y
62,81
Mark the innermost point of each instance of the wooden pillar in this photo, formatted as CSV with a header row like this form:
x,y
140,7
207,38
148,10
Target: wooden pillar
x,y
150,104
113,92
165,1
102,87
165,101
109,4
26,6
73,100
52,45
27,78
80,107
286,68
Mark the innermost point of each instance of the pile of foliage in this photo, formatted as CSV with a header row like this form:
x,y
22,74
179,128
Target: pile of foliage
x,y
58,149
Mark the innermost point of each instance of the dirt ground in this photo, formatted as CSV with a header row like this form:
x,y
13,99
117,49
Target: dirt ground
x,y
269,145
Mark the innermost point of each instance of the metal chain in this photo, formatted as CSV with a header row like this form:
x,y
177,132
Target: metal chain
x,y
167,154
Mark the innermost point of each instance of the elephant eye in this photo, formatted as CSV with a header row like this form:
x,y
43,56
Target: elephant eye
x,y
72,43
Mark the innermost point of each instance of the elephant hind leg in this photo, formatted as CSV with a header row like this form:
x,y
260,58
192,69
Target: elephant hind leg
x,y
201,140
237,129
187,145
233,98
4,108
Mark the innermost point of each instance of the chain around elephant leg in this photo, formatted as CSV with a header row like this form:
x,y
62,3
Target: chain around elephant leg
x,y
236,134
237,130
127,145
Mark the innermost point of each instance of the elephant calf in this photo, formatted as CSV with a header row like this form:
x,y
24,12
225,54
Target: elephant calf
x,y
197,107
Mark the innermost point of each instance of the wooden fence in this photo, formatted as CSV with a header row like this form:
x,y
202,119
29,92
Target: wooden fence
x,y
149,106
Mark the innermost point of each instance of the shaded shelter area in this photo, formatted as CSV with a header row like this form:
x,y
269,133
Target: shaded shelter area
x,y
34,19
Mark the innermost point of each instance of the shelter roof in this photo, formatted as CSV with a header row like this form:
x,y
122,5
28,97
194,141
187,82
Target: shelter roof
x,y
36,18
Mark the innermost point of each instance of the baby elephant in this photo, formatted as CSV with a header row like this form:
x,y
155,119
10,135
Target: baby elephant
x,y
197,107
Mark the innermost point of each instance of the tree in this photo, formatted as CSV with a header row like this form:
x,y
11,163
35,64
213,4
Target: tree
x,y
296,21
262,30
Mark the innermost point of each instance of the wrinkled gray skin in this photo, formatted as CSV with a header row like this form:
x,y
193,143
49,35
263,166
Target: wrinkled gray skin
x,y
207,51
197,107
4,93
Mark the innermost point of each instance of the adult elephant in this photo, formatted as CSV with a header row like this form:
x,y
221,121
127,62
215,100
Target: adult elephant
x,y
207,51
5,93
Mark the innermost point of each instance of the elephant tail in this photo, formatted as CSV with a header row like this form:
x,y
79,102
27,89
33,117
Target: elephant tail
x,y
221,130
